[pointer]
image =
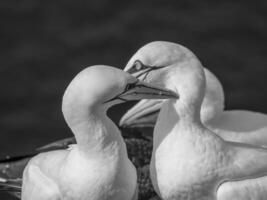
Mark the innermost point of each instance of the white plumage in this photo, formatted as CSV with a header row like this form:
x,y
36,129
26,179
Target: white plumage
x,y
163,57
97,168
189,161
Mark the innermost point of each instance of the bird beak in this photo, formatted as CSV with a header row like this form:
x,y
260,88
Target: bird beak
x,y
143,114
141,90
141,74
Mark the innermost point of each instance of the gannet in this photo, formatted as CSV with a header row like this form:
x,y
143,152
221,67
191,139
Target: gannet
x,y
189,161
156,62
97,168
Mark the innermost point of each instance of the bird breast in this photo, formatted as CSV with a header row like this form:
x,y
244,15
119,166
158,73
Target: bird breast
x,y
99,179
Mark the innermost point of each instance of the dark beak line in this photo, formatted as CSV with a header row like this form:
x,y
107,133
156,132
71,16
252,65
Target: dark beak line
x,y
137,84
125,90
146,71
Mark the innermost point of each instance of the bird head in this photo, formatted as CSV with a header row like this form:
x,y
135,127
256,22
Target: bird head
x,y
152,61
165,63
105,86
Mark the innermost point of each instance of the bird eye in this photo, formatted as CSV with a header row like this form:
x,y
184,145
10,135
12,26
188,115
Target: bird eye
x,y
138,65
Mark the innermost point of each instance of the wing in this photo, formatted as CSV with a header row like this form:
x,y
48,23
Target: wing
x,y
242,126
250,189
37,186
244,161
240,121
12,167
60,144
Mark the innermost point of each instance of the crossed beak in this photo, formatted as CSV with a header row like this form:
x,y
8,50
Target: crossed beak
x,y
142,74
141,90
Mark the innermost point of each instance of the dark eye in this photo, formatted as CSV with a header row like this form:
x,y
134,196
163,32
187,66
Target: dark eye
x,y
138,65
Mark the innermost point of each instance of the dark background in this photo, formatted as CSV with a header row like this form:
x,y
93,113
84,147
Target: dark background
x,y
45,43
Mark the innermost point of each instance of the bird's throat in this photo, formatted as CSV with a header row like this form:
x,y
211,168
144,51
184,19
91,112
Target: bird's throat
x,y
96,133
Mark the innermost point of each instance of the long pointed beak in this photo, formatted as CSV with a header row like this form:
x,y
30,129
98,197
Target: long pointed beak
x,y
143,114
142,90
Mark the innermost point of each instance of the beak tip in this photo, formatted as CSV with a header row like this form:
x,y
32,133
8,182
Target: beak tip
x,y
123,122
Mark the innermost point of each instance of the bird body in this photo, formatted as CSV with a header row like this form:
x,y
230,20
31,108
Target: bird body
x,y
248,189
190,162
97,168
99,178
139,152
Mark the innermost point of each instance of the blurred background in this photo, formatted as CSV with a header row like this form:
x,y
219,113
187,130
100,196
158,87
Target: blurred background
x,y
44,44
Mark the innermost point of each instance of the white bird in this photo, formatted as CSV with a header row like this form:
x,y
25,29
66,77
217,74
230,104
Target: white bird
x,y
190,162
156,62
97,168
144,65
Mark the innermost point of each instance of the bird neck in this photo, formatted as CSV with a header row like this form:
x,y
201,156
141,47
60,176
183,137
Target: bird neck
x,y
188,80
187,112
184,111
93,130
